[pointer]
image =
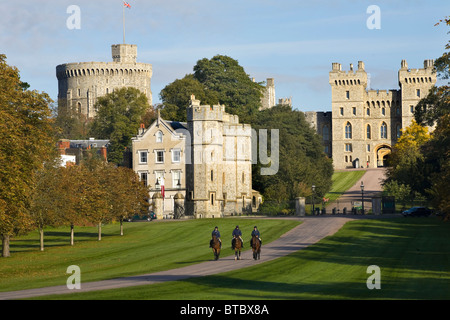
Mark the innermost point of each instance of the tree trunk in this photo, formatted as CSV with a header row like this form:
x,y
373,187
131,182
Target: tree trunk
x,y
41,231
121,226
99,231
5,245
71,234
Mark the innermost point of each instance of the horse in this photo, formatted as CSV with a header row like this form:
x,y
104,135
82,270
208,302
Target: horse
x,y
237,248
216,247
256,247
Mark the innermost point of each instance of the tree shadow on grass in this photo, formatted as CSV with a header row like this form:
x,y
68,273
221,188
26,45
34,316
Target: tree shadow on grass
x,y
53,239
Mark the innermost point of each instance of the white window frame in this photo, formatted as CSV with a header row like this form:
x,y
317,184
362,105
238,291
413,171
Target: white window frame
x,y
176,176
142,152
159,136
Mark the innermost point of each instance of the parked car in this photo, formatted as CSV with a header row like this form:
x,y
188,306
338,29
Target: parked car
x,y
417,212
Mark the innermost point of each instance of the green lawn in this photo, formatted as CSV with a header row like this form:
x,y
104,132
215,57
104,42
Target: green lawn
x,y
342,181
145,247
412,254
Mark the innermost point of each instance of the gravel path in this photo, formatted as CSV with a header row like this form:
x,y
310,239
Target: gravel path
x,y
309,232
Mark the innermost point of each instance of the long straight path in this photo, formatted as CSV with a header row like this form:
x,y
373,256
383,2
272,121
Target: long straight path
x,y
309,232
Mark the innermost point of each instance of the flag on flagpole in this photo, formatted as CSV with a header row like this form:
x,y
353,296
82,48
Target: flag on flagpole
x,y
126,4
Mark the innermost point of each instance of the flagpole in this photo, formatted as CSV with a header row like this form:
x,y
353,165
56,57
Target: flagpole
x,y
123,22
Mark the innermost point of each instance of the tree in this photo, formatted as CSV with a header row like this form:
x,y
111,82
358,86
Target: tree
x,y
45,197
176,96
26,141
234,87
128,195
302,161
217,80
118,118
407,162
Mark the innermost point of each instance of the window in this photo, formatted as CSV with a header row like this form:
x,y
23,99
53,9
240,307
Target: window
x,y
418,93
348,131
348,147
347,94
212,175
368,148
212,199
399,131
159,177
243,177
176,179
383,131
341,111
159,156
176,155
383,111
369,133
354,111
159,137
325,133
368,111
143,177
143,156
411,109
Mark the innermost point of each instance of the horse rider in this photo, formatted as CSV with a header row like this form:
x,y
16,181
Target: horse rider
x,y
217,234
237,233
256,233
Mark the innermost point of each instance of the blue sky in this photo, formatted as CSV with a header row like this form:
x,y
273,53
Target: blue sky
x,y
292,41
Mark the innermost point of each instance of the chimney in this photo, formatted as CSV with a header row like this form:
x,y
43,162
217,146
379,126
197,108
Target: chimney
x,y
103,153
142,129
158,119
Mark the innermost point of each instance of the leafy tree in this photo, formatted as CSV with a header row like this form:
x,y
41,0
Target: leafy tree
x,y
128,195
176,96
45,198
118,118
234,87
26,142
217,80
407,162
302,161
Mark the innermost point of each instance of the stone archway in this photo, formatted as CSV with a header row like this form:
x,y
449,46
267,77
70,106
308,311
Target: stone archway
x,y
382,153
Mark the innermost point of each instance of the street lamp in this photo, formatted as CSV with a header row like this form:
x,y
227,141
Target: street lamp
x,y
313,192
362,196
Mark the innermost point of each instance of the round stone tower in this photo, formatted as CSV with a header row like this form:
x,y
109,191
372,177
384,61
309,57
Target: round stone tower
x,y
81,83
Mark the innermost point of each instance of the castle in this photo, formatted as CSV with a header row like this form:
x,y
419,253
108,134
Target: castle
x,y
80,84
364,124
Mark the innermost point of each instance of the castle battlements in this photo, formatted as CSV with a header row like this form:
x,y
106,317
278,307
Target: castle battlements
x,y
80,84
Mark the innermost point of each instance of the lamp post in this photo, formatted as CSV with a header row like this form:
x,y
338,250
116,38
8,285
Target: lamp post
x,y
313,192
362,196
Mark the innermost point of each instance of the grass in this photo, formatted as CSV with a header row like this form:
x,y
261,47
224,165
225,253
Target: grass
x,y
412,254
342,181
145,247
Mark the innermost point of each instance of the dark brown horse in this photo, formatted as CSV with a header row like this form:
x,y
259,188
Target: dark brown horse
x,y
216,247
237,248
256,247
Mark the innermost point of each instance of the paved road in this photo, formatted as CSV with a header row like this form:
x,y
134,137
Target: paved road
x,y
309,232
372,186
